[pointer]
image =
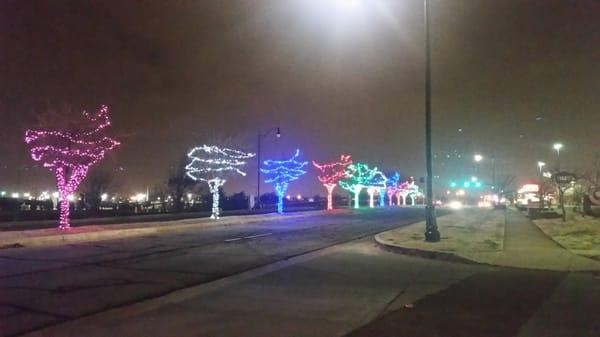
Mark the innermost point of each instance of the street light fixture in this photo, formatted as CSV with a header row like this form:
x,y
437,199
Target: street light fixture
x,y
432,233
561,194
557,147
477,158
260,136
541,165
347,4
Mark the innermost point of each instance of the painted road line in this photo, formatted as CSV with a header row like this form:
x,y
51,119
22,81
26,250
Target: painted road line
x,y
248,237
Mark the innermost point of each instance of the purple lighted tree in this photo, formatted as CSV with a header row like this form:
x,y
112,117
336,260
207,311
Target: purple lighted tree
x,y
70,151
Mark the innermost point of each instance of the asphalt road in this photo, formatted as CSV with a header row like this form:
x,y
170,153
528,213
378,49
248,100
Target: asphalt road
x,y
41,287
319,275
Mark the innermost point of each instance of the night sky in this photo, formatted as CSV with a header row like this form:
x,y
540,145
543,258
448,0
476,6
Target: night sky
x,y
509,78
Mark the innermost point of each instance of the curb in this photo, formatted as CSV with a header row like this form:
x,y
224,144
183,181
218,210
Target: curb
x,y
427,254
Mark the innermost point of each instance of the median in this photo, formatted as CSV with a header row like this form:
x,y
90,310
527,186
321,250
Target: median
x,y
466,235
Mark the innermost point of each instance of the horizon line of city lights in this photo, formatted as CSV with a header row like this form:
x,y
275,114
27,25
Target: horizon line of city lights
x,y
138,197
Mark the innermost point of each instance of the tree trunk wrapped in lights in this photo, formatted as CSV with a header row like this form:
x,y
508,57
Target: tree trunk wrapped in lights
x,y
392,187
69,151
331,174
408,189
358,176
376,185
213,165
281,172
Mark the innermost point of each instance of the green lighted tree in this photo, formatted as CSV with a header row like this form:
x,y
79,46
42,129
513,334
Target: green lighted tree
x,y
359,176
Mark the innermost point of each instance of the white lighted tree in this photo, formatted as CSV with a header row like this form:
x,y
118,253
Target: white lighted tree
x,y
376,185
214,165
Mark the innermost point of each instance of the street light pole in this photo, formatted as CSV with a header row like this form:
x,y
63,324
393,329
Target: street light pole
x,y
557,147
494,174
477,158
258,146
561,194
541,165
432,233
258,172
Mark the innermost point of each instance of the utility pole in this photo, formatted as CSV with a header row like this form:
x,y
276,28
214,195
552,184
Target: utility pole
x,y
432,233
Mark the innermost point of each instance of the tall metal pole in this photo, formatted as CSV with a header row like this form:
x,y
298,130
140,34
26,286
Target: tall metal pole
x,y
258,205
561,193
494,174
541,187
432,233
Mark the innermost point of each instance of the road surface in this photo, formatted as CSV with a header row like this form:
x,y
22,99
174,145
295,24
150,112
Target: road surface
x,y
319,275
45,286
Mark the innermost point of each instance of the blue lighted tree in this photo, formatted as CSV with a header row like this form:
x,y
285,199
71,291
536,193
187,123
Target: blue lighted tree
x,y
281,172
392,186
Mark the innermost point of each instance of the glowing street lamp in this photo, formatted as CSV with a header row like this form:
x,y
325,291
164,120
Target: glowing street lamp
x,y
432,233
557,147
347,4
477,157
541,165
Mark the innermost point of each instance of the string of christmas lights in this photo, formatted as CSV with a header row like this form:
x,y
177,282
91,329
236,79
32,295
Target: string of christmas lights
x,y
392,186
331,174
281,172
213,165
69,154
358,176
376,185
408,189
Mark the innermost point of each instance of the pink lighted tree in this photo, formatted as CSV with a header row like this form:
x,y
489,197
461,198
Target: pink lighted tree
x,y
331,173
69,150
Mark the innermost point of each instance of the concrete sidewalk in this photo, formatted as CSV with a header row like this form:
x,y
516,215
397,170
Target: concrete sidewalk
x,y
524,246
54,236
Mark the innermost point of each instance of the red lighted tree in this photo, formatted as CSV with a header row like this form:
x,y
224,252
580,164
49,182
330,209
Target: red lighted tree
x,y
331,174
69,150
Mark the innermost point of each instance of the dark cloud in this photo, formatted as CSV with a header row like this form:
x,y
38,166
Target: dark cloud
x,y
174,72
